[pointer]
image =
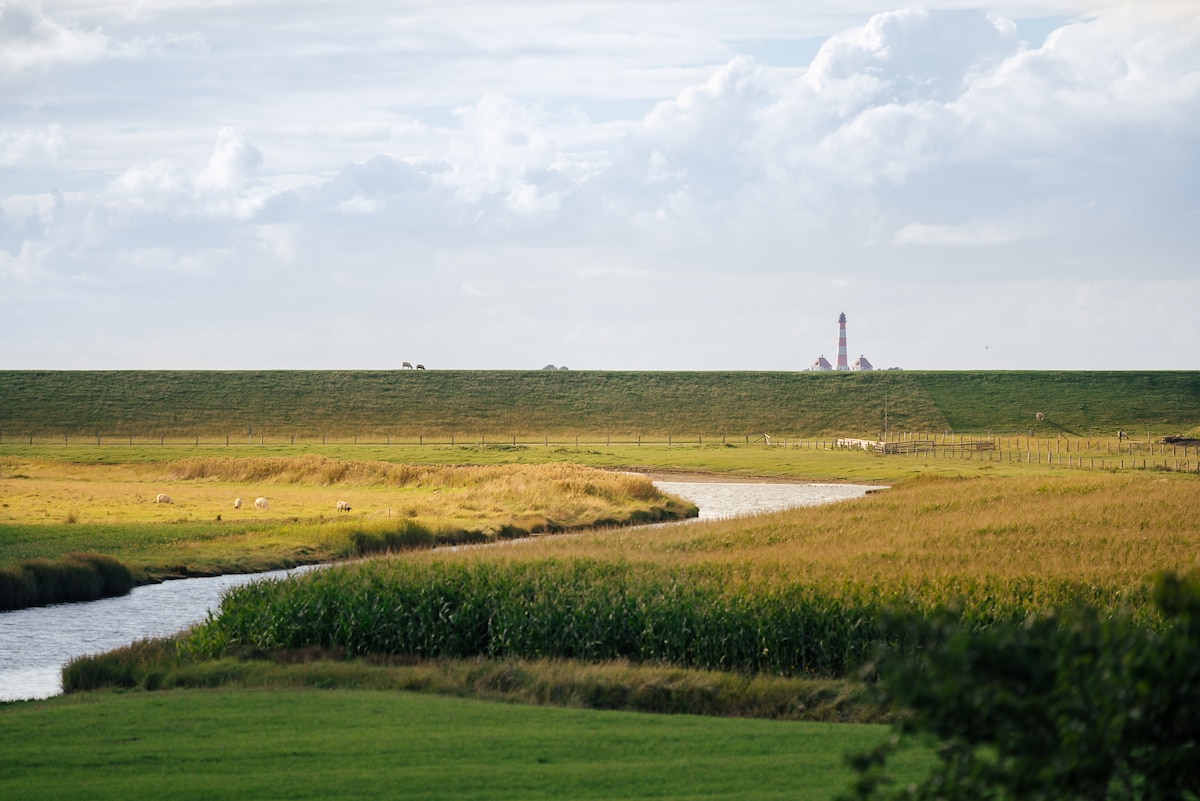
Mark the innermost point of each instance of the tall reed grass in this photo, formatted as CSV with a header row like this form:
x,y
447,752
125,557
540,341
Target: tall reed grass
x,y
75,577
794,593
696,617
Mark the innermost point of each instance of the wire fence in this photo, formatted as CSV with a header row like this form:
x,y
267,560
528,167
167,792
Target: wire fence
x,y
1119,453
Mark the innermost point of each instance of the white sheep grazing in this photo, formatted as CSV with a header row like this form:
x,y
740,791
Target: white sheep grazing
x,y
342,506
162,498
237,503
260,503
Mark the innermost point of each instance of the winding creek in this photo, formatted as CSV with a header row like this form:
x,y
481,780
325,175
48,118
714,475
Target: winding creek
x,y
36,643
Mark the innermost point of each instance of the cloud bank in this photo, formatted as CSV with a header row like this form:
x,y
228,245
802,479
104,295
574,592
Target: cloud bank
x,y
969,197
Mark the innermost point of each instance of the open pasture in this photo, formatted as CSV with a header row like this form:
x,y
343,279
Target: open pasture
x,y
818,459
52,508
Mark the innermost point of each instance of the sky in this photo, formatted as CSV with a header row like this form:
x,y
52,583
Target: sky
x,y
641,185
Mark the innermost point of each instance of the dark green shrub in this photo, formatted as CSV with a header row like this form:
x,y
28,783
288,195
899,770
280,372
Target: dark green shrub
x,y
1078,704
74,577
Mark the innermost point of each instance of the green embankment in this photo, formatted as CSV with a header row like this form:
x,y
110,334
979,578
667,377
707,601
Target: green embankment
x,y
366,744
531,404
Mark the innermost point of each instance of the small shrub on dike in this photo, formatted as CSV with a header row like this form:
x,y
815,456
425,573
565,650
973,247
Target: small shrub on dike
x,y
1078,704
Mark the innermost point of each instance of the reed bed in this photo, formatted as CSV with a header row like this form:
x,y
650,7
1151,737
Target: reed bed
x,y
794,593
579,609
75,577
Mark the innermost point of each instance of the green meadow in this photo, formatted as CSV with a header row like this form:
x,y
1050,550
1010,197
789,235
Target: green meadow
x,y
366,744
379,678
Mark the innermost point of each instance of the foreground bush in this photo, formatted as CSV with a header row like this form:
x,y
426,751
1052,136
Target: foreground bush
x,y
1079,704
75,577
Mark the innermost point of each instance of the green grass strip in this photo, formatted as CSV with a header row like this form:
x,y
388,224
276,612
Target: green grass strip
x,y
345,744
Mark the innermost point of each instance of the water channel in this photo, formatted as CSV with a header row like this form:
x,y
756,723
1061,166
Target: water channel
x,y
36,643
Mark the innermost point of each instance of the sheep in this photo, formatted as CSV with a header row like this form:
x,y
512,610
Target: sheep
x,y
162,498
406,365
342,506
260,503
237,503
420,367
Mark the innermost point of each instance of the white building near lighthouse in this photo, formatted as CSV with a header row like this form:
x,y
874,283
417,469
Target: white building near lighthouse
x,y
822,364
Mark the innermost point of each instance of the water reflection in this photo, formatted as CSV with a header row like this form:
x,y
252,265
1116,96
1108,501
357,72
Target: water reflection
x,y
36,643
722,499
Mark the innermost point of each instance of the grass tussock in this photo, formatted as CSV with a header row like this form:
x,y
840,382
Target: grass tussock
x,y
617,685
74,577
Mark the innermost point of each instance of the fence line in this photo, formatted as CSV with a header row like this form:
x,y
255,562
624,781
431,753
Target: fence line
x,y
1077,452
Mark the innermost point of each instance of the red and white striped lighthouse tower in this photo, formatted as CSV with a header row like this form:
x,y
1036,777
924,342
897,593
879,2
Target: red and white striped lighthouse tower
x,y
842,362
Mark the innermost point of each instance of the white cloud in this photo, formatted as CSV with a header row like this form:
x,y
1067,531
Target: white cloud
x,y
576,157
974,233
233,162
31,147
29,40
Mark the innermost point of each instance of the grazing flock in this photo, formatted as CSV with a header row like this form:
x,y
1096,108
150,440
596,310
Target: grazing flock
x,y
259,503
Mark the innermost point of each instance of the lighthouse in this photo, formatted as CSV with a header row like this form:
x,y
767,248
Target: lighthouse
x,y
842,362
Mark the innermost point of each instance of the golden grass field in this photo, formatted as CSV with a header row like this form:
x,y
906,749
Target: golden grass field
x,y
936,539
48,508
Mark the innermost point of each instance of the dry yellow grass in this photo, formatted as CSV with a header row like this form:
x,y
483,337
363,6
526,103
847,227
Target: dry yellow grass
x,y
310,487
935,539
49,508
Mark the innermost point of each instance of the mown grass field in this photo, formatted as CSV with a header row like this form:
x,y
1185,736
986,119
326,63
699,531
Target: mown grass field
x,y
351,744
498,405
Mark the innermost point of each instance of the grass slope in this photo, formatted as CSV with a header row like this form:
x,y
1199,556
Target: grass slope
x,y
501,404
375,745
1074,403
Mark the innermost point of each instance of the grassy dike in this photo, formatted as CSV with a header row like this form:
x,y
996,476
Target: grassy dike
x,y
498,405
